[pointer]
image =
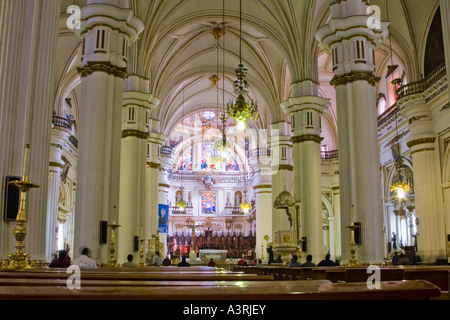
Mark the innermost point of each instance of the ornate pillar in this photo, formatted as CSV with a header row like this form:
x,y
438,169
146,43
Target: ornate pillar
x,y
431,242
352,46
282,169
306,112
59,136
107,29
159,163
28,37
262,185
337,222
137,106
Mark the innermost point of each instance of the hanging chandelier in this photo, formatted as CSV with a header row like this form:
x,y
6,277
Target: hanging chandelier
x,y
241,110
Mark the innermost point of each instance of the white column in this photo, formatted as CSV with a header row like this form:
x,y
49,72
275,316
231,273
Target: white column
x,y
337,223
431,241
282,170
262,185
137,106
28,37
352,46
58,137
106,32
332,238
12,34
306,112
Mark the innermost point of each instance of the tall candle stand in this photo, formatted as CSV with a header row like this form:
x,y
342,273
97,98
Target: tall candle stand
x,y
20,260
112,246
353,261
141,263
300,249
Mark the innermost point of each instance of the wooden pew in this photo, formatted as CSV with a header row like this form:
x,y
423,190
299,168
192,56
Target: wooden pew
x,y
438,275
386,274
130,275
249,291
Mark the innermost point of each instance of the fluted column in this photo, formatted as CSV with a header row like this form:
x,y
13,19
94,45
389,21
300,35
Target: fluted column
x,y
158,166
352,46
107,29
137,106
306,112
262,185
28,45
282,169
59,136
431,241
337,222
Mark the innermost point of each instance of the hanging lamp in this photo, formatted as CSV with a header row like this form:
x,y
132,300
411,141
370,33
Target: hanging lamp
x,y
241,110
181,204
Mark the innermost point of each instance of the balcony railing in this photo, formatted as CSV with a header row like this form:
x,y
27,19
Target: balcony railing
x,y
61,122
329,155
422,85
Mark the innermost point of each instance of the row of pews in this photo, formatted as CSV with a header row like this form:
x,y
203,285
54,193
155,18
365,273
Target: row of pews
x,y
206,283
437,275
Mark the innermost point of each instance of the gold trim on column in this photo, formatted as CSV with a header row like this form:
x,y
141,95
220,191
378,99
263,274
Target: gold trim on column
x,y
135,133
153,165
307,137
355,76
106,67
286,167
416,142
263,186
164,185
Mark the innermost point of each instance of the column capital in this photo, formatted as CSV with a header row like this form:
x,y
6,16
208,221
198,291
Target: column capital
x,y
305,103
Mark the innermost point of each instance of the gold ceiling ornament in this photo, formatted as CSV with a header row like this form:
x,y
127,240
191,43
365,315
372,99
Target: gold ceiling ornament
x,y
241,110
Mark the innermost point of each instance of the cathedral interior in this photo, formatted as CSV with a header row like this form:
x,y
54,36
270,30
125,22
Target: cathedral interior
x,y
227,125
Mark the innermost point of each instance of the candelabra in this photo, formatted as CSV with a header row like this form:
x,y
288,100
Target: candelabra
x,y
141,253
353,261
20,260
112,246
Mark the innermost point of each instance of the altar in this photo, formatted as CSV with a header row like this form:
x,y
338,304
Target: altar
x,y
217,255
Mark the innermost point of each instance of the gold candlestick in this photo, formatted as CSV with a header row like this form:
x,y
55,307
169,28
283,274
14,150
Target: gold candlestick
x,y
300,250
20,260
141,263
353,261
112,246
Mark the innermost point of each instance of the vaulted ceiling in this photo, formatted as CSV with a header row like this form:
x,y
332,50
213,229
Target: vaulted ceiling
x,y
178,52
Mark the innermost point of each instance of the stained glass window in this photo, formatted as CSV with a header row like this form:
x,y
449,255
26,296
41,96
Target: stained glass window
x,y
208,203
186,161
208,115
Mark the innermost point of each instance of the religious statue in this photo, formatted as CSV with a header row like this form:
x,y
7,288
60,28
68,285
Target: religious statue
x,y
394,240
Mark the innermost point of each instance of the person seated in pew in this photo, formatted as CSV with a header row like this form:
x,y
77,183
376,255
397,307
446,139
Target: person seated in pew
x,y
327,262
84,261
63,260
156,259
129,263
212,263
309,263
279,260
259,264
294,263
167,262
184,263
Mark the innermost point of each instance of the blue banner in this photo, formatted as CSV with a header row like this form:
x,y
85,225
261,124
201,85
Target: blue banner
x,y
163,218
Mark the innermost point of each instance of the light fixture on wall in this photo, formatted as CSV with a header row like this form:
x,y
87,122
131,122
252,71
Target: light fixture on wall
x,y
241,110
